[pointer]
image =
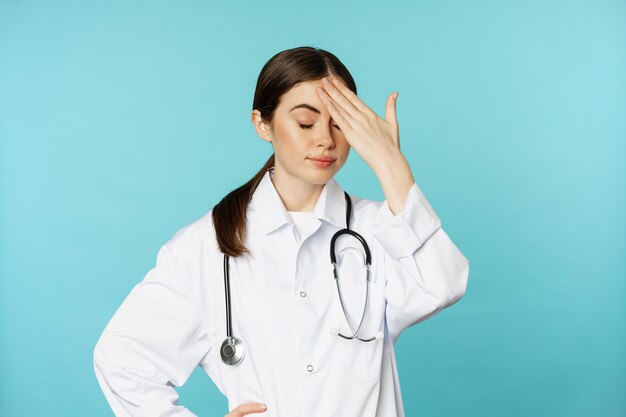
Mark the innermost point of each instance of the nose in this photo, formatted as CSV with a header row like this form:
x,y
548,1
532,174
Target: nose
x,y
325,138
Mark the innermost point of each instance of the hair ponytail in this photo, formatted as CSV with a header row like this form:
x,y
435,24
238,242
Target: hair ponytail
x,y
229,215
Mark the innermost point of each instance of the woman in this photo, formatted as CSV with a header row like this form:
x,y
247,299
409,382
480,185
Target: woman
x,y
297,355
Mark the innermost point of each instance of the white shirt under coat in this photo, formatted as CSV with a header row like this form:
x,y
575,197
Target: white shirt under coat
x,y
284,301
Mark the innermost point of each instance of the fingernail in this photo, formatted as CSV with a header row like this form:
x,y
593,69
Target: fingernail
x,y
395,97
263,407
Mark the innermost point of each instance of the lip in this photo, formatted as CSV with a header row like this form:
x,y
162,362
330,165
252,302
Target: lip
x,y
322,163
322,158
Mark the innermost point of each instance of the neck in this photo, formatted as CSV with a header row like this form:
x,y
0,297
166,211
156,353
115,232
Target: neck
x,y
296,195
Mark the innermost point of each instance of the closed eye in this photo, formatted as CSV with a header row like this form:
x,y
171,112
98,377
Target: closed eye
x,y
310,126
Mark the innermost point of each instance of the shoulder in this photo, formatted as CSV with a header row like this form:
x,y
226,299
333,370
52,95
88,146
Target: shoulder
x,y
193,236
364,208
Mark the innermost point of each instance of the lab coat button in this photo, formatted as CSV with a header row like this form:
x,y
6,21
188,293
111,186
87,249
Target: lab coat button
x,y
302,293
310,368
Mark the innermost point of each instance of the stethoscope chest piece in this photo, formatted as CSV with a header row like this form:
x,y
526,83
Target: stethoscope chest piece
x,y
232,350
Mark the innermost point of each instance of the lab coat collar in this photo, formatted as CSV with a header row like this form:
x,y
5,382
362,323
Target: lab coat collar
x,y
268,206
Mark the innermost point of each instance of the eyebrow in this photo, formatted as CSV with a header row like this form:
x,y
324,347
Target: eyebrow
x,y
305,106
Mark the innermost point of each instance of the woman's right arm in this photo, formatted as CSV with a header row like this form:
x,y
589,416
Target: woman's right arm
x,y
154,341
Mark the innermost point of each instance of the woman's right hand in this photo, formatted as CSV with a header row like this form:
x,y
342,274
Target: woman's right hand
x,y
245,409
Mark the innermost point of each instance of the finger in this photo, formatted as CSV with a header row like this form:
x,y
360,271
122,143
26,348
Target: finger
x,y
245,409
335,112
390,109
353,98
391,115
332,89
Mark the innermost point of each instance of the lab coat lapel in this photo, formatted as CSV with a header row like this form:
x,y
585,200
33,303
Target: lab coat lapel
x,y
270,211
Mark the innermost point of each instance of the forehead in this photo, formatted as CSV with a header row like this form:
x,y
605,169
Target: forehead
x,y
304,91
303,97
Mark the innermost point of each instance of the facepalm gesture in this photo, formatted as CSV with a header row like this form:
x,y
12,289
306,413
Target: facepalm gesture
x,y
371,136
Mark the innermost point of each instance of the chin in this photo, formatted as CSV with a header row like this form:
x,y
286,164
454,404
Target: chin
x,y
320,177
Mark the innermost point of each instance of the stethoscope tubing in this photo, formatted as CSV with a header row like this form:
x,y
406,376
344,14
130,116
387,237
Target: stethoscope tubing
x,y
232,350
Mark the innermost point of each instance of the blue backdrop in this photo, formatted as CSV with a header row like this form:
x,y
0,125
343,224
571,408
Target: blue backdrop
x,y
122,122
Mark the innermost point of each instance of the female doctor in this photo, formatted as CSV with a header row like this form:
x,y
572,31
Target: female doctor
x,y
290,293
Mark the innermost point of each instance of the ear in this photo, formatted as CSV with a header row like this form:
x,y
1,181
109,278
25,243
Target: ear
x,y
263,129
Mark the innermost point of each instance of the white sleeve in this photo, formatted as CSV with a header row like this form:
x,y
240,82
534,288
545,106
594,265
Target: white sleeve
x,y
424,270
154,341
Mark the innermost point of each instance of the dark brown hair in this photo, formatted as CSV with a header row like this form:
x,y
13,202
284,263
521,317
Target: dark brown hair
x,y
282,72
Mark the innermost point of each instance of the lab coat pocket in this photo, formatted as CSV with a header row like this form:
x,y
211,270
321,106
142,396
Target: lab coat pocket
x,y
241,382
352,281
373,326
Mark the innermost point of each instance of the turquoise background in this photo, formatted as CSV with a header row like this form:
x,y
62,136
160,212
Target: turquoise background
x,y
121,122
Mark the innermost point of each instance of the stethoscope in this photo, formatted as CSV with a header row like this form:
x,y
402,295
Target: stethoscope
x,y
233,350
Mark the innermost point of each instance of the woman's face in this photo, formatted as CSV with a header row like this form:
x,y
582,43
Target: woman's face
x,y
302,129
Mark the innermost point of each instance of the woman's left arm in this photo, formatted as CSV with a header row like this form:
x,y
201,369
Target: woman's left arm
x,y
425,271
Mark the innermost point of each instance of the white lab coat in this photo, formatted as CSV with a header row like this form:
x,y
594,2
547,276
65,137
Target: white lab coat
x,y
284,300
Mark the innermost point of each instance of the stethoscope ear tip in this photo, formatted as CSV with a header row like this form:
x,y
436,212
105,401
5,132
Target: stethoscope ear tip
x,y
380,335
334,331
